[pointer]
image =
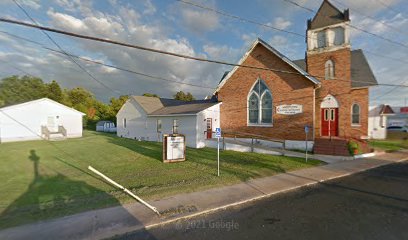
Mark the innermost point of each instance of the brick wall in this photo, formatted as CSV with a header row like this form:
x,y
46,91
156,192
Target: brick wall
x,y
286,89
341,89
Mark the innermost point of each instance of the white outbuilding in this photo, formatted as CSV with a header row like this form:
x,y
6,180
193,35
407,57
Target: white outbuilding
x,y
148,118
39,119
105,126
378,121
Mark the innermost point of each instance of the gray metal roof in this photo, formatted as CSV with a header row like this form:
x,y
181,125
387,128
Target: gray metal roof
x,y
328,15
164,106
361,73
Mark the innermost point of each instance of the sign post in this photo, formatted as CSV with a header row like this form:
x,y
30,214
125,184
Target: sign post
x,y
306,132
218,135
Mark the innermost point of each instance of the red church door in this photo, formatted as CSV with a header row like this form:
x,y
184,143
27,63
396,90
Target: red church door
x,y
330,124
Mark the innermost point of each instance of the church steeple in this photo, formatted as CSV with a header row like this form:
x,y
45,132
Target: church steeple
x,y
328,30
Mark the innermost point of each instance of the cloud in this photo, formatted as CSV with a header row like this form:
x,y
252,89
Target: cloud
x,y
34,4
280,23
149,8
129,26
199,21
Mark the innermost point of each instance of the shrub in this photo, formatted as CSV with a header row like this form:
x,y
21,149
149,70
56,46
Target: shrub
x,y
353,147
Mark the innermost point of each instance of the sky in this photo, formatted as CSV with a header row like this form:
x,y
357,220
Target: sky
x,y
174,26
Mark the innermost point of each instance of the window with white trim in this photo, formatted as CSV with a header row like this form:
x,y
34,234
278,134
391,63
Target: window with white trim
x,y
339,36
158,125
321,39
329,70
355,114
260,104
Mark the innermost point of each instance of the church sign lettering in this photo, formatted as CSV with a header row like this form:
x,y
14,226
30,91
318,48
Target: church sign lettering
x,y
289,109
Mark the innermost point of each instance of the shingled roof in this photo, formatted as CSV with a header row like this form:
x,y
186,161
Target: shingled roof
x,y
328,15
164,106
361,73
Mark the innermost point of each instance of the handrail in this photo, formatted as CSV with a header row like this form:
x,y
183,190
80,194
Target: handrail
x,y
62,130
253,136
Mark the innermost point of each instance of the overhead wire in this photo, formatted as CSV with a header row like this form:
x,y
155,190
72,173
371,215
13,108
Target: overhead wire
x,y
171,53
61,49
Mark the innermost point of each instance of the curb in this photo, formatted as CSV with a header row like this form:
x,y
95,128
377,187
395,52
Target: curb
x,y
263,196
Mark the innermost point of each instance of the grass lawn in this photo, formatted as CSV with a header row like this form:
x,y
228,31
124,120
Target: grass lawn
x,y
390,145
42,180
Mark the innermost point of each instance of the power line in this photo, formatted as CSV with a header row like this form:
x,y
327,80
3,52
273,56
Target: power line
x,y
18,69
59,47
383,56
352,26
105,64
168,53
263,24
240,18
371,17
388,6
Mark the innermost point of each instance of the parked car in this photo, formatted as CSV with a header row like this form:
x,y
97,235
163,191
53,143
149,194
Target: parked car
x,y
398,129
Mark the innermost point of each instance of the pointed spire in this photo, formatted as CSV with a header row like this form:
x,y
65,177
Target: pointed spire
x,y
328,15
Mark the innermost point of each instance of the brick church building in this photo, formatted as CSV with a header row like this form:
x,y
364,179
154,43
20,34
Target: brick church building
x,y
327,91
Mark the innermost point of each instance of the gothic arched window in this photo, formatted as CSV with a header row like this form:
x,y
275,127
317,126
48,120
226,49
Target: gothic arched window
x,y
260,104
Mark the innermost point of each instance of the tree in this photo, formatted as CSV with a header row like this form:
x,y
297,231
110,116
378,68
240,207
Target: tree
x,y
183,96
150,95
17,89
79,96
54,91
115,105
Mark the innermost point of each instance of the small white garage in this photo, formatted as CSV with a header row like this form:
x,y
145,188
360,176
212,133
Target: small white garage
x,y
39,119
148,118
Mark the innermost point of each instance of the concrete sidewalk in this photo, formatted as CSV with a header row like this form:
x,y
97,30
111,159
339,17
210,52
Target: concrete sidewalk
x,y
109,222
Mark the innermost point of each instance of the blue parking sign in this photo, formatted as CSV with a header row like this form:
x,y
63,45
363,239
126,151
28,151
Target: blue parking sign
x,y
306,129
218,132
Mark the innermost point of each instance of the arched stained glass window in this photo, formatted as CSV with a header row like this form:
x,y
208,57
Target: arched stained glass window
x,y
260,104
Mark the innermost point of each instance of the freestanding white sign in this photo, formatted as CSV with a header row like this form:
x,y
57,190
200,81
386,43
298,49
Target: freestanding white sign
x,y
175,148
289,109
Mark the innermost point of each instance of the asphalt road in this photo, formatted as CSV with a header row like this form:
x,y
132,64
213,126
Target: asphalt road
x,y
368,205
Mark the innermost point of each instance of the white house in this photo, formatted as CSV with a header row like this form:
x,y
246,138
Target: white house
x,y
39,119
148,118
378,121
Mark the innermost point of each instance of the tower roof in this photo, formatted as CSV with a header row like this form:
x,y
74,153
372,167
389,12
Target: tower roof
x,y
328,15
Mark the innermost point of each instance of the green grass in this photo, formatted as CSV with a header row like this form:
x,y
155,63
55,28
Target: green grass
x,y
62,185
389,145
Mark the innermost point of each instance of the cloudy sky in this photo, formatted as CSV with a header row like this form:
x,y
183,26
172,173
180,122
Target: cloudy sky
x,y
177,27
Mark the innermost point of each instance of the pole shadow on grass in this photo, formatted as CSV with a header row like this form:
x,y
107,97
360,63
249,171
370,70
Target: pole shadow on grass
x,y
56,196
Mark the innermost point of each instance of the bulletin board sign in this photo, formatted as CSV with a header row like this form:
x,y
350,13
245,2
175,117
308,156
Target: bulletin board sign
x,y
174,148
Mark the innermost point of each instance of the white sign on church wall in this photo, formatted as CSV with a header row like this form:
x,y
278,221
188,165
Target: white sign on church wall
x,y
289,109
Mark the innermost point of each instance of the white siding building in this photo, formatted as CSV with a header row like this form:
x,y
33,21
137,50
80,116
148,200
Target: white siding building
x,y
148,118
378,118
30,120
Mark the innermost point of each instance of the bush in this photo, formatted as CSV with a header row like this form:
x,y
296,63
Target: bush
x,y
353,147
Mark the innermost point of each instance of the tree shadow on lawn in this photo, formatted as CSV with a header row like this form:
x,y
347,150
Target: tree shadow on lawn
x,y
149,149
56,196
